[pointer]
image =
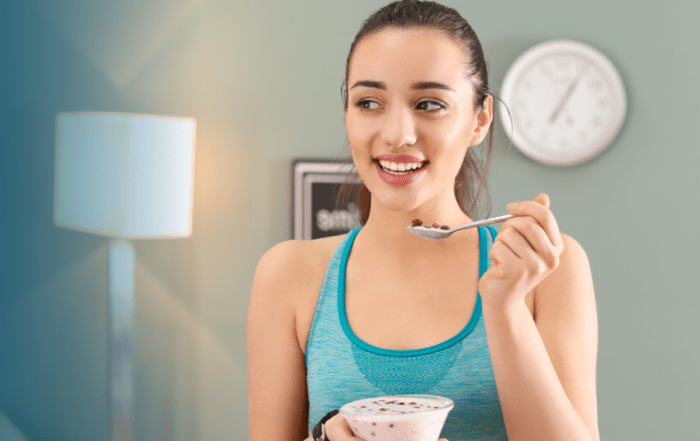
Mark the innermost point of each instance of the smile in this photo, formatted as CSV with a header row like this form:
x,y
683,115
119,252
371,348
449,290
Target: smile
x,y
399,177
400,168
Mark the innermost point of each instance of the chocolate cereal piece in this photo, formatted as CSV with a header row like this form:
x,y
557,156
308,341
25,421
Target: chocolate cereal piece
x,y
444,227
416,223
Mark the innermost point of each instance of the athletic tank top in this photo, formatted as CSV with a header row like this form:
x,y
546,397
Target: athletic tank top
x,y
342,368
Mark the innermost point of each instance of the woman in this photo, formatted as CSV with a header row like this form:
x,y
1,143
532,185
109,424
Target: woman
x,y
380,311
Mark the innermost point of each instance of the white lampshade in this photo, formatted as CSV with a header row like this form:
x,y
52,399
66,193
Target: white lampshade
x,y
124,175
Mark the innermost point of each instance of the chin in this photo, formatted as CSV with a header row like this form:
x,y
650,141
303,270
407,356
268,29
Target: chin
x,y
396,203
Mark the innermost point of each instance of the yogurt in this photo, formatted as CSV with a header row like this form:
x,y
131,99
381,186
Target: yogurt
x,y
398,417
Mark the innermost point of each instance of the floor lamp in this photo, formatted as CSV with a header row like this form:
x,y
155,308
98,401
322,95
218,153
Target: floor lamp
x,y
124,176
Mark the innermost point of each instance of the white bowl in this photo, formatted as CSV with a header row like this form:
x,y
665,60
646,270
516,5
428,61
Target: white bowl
x,y
398,417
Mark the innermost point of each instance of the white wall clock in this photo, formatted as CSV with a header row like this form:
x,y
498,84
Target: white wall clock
x,y
567,102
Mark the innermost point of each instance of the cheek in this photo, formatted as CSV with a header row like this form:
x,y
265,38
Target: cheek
x,y
448,138
359,135
457,132
351,127
449,142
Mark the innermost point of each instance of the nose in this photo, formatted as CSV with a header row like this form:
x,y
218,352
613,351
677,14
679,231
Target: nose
x,y
399,128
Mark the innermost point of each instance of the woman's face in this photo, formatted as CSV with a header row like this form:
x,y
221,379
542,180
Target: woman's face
x,y
408,95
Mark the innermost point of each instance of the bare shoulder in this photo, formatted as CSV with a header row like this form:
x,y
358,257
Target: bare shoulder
x,y
293,268
565,303
573,274
276,370
295,260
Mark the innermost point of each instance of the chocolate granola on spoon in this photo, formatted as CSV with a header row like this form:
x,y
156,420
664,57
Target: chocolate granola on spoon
x,y
443,231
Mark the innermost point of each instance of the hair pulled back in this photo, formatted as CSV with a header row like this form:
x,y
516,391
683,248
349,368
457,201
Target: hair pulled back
x,y
471,180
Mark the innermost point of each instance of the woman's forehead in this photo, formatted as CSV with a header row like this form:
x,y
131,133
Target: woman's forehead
x,y
399,57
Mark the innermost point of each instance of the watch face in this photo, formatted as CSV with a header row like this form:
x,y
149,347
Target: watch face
x,y
566,100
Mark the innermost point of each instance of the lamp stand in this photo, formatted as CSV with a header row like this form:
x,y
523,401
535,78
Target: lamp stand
x,y
121,302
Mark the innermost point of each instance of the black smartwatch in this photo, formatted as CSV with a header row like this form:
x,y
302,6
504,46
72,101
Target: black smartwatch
x,y
319,432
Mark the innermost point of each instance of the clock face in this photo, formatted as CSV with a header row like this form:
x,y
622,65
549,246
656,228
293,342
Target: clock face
x,y
566,101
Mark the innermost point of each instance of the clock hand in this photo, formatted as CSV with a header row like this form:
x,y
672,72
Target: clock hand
x,y
564,100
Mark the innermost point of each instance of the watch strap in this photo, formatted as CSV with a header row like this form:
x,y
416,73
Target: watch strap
x,y
319,431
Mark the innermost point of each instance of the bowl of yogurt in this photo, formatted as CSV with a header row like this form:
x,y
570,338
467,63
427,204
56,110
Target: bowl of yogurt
x,y
398,417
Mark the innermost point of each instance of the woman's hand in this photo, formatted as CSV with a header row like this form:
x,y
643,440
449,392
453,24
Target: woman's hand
x,y
526,250
337,429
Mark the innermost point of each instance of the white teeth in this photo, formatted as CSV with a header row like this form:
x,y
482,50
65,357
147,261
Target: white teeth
x,y
399,167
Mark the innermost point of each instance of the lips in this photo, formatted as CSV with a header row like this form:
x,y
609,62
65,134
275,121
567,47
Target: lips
x,y
399,180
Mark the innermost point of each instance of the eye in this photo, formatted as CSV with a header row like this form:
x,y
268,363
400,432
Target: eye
x,y
430,106
367,104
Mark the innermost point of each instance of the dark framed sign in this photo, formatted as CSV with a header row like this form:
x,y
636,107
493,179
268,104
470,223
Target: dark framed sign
x,y
315,183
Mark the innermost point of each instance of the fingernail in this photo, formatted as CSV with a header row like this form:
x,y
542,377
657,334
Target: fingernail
x,y
512,206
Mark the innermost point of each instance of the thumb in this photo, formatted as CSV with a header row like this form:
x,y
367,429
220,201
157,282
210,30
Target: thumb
x,y
338,428
543,199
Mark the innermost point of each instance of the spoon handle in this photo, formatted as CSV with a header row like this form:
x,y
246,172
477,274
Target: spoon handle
x,y
493,220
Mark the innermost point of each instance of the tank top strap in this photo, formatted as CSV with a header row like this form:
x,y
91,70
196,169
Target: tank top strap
x,y
327,300
487,235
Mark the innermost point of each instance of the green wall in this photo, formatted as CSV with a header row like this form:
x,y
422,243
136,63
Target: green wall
x,y
263,81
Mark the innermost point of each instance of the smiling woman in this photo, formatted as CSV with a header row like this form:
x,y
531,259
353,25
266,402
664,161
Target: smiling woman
x,y
434,101
502,323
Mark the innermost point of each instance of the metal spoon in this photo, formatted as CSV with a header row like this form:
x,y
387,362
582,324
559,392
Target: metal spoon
x,y
437,233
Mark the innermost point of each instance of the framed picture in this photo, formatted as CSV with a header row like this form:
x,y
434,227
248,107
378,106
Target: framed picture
x,y
315,184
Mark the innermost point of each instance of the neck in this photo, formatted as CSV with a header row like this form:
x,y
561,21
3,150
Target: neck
x,y
386,230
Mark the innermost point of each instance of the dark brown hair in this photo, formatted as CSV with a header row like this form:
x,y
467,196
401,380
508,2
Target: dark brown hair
x,y
471,180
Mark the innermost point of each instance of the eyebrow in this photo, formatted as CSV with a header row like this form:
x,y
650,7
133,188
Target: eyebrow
x,y
420,85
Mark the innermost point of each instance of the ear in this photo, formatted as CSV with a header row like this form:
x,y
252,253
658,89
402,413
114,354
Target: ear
x,y
484,118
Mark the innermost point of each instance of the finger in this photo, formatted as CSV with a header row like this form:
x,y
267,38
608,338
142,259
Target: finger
x,y
513,240
542,215
518,257
338,429
537,208
521,248
503,257
536,239
543,199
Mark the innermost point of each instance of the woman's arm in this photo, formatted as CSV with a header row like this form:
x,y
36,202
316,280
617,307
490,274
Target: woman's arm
x,y
277,395
545,369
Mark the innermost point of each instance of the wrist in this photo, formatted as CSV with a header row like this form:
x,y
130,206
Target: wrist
x,y
319,431
506,313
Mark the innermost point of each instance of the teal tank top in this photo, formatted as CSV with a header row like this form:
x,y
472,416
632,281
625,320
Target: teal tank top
x,y
341,368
